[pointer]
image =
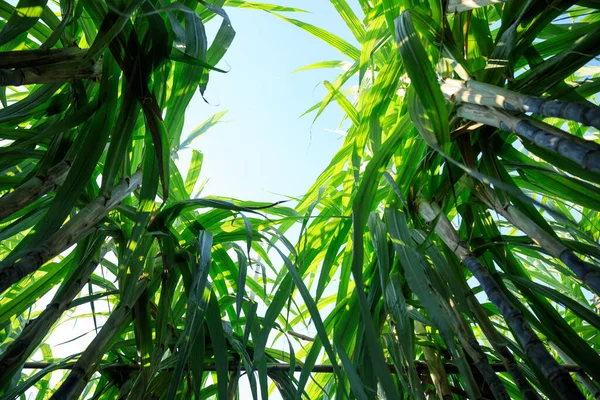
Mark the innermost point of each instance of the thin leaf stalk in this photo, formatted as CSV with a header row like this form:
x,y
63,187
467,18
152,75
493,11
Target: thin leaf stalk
x,y
85,222
556,375
420,366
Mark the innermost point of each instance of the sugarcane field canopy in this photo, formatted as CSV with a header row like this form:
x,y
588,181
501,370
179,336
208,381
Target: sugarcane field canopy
x,y
343,199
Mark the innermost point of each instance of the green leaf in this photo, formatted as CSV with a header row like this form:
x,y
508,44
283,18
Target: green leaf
x,y
336,42
90,148
260,6
355,381
424,83
202,128
197,305
25,15
215,327
193,172
349,16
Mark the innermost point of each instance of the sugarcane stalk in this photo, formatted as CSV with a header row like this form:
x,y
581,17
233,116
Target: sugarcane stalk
x,y
493,116
456,6
85,222
585,271
37,57
35,330
85,367
33,189
484,94
559,378
501,349
435,367
498,343
584,152
583,378
472,347
233,383
66,71
125,389
46,66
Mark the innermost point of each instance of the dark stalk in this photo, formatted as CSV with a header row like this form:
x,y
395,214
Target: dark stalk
x,y
557,376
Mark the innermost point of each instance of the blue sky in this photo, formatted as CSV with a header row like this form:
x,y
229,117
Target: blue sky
x,y
264,150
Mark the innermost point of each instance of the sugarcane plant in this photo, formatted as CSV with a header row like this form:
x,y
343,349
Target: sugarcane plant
x,y
449,249
98,224
463,201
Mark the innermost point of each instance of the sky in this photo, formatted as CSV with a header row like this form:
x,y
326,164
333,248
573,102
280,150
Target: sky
x,y
264,151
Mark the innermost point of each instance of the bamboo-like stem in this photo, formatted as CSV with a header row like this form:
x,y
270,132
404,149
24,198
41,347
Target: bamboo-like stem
x,y
466,5
52,73
484,94
233,383
583,378
33,189
300,336
472,347
501,349
46,66
584,271
499,345
583,152
37,57
84,223
84,368
35,330
435,367
556,375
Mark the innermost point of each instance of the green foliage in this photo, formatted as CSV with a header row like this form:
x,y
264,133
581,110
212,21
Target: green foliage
x,y
433,244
